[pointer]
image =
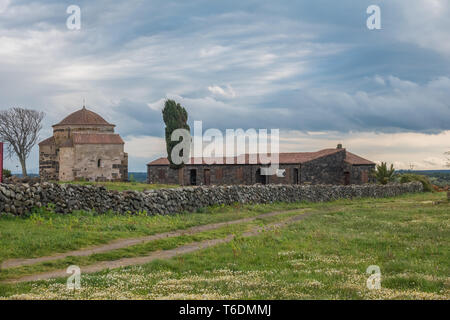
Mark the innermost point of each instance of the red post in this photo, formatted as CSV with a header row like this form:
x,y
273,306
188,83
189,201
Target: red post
x,y
1,162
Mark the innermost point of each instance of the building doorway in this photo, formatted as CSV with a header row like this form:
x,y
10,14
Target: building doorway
x,y
346,178
193,177
207,177
295,174
259,178
364,176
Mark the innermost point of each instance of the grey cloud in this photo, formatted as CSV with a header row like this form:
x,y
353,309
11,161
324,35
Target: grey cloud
x,y
308,65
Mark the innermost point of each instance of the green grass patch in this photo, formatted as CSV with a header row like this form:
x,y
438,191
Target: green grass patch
x,y
45,233
322,257
141,249
411,177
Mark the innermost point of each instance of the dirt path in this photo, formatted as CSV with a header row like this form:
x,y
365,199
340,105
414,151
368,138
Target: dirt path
x,y
123,243
165,254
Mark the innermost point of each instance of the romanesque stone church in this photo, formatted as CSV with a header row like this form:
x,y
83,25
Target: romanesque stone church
x,y
83,147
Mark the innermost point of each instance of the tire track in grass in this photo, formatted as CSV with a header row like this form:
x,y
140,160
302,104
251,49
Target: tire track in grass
x,y
123,243
164,254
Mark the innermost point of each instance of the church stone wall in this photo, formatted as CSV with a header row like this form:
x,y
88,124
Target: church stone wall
x,y
100,162
66,164
48,163
64,132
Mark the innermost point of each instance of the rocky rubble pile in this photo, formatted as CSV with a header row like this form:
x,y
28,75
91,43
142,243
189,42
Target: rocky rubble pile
x,y
21,198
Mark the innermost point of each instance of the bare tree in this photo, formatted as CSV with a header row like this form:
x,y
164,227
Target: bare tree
x,y
19,128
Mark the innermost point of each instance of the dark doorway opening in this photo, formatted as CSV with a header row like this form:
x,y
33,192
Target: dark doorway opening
x,y
259,178
364,176
346,178
207,177
193,177
295,173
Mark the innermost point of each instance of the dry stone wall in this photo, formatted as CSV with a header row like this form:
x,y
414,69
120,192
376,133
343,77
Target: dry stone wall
x,y
19,199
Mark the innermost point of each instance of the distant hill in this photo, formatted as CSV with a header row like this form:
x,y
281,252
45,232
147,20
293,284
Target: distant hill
x,y
138,176
423,171
440,178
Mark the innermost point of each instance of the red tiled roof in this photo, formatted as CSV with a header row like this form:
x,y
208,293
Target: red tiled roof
x,y
302,157
96,138
354,159
159,162
192,160
83,117
284,158
47,142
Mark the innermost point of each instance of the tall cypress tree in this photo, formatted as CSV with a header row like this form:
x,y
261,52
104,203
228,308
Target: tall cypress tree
x,y
175,117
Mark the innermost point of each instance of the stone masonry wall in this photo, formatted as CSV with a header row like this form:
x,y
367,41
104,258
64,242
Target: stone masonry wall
x,y
48,162
86,163
328,168
360,173
19,199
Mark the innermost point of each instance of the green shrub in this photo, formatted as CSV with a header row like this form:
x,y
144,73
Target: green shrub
x,y
383,174
411,177
6,173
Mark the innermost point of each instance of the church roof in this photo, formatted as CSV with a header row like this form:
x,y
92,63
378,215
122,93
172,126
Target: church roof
x,y
83,117
47,142
357,160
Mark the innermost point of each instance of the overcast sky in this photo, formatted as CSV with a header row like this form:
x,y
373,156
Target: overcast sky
x,y
310,68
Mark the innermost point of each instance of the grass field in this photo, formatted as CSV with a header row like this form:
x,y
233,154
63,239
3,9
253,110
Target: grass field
x,y
46,232
324,256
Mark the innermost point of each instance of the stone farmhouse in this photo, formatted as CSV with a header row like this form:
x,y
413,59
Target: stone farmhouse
x,y
83,147
328,166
